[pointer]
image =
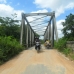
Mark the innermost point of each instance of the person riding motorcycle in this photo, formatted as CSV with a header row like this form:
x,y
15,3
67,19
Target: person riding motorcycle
x,y
47,43
37,43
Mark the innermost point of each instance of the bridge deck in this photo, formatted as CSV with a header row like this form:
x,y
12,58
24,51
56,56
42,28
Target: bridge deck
x,y
45,62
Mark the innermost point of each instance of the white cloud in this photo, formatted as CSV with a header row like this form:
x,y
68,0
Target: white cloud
x,y
3,1
59,11
40,11
59,28
6,11
59,6
59,24
70,5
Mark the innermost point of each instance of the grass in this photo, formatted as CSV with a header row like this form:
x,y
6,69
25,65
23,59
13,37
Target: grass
x,y
71,56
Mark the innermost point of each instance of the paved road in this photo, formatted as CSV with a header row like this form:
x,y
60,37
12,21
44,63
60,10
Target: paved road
x,y
45,62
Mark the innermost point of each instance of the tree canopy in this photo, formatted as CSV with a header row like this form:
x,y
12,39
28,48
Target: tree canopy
x,y
9,27
68,25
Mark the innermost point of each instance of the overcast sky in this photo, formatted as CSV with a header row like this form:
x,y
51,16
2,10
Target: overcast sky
x,y
62,8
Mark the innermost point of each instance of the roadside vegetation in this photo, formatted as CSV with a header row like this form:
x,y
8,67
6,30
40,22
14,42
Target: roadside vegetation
x,y
68,31
9,38
9,47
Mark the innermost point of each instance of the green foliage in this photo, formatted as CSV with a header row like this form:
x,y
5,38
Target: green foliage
x,y
68,25
8,27
61,44
42,41
8,48
36,35
66,51
71,39
71,56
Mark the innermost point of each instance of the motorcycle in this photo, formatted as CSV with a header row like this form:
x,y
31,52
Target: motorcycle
x,y
48,46
37,46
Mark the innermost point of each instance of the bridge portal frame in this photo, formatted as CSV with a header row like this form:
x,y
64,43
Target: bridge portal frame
x,y
49,32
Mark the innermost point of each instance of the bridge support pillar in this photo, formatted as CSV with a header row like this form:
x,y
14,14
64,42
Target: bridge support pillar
x,y
33,38
55,28
53,34
22,29
30,37
27,37
50,31
46,35
53,23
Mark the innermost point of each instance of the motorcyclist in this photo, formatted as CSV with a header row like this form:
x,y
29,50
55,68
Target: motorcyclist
x,y
47,43
37,42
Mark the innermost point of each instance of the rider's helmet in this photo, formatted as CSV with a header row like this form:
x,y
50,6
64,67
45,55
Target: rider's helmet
x,y
36,38
46,40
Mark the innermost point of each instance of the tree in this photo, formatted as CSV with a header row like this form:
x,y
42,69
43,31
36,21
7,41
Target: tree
x,y
68,25
9,27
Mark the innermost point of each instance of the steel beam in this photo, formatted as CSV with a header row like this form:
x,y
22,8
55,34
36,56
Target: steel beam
x,y
27,22
39,31
39,24
37,14
48,24
30,37
37,19
55,28
52,32
48,32
44,38
40,28
21,35
27,37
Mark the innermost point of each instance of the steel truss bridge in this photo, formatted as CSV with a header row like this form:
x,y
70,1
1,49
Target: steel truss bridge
x,y
29,29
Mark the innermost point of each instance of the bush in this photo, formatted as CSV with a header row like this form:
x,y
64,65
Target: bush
x,y
8,48
71,39
61,44
71,56
66,51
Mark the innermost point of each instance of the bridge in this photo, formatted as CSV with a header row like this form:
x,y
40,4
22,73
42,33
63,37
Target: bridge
x,y
28,32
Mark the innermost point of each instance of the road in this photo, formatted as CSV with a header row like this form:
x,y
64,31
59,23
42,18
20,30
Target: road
x,y
46,62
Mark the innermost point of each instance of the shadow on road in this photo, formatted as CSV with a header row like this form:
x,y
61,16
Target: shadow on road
x,y
41,51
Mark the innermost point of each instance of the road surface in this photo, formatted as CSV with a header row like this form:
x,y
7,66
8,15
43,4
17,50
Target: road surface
x,y
46,62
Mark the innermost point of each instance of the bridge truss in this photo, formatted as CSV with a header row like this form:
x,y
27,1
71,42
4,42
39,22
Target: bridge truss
x,y
28,34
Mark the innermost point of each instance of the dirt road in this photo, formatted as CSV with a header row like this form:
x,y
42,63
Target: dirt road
x,y
45,62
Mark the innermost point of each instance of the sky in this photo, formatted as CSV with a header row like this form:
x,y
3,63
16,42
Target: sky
x,y
62,9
